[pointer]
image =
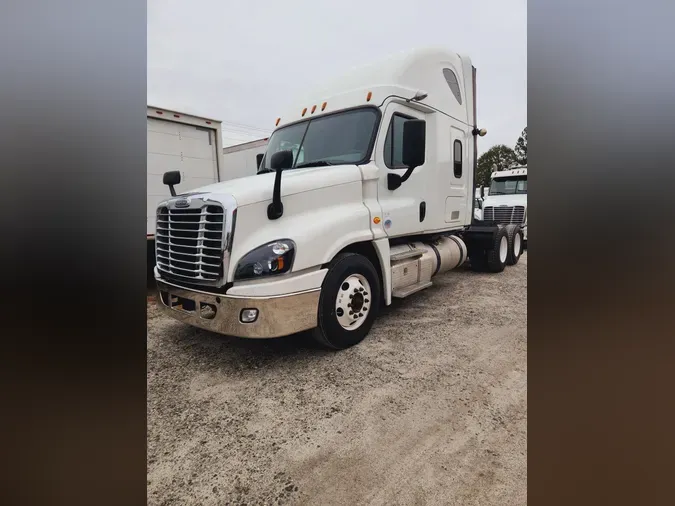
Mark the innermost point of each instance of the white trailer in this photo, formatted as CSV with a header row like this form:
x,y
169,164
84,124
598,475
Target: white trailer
x,y
241,160
365,194
190,144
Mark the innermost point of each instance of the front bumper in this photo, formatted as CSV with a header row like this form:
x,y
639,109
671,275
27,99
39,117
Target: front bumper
x,y
277,315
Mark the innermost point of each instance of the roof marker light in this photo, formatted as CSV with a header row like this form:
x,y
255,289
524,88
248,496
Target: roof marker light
x,y
323,106
277,123
369,96
304,111
313,109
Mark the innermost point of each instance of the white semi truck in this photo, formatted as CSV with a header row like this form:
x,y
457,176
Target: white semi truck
x,y
365,193
507,201
243,160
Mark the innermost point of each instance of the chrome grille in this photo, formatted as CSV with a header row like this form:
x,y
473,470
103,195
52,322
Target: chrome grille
x,y
189,243
505,214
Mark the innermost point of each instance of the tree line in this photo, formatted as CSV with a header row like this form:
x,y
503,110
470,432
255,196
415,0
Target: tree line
x,y
501,157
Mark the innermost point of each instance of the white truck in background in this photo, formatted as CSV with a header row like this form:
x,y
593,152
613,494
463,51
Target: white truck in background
x,y
192,145
507,201
364,194
243,159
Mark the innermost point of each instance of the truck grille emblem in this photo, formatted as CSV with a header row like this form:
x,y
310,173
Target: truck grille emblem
x,y
182,203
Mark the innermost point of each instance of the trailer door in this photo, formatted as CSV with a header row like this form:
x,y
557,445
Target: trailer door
x,y
177,146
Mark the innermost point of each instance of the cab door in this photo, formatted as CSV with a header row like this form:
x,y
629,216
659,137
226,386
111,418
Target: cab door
x,y
459,196
400,207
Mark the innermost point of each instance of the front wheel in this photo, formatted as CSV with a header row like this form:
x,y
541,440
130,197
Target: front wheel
x,y
349,301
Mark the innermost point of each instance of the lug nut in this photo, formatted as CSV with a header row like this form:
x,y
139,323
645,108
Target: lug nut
x,y
351,313
366,300
360,314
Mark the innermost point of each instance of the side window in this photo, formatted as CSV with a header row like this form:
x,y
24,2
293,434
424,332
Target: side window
x,y
457,158
393,143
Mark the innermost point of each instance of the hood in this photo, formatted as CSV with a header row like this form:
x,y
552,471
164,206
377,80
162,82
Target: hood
x,y
254,189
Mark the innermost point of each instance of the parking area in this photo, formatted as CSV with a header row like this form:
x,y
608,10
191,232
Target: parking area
x,y
431,408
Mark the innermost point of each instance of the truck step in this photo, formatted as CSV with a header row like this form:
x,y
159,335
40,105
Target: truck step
x,y
409,290
408,253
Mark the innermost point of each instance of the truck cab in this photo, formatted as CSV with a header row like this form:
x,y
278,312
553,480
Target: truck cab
x,y
507,201
365,192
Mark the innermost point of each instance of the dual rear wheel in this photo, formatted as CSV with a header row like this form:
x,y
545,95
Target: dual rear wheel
x,y
507,247
516,243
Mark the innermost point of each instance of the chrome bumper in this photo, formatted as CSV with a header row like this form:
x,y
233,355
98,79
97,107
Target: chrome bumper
x,y
277,316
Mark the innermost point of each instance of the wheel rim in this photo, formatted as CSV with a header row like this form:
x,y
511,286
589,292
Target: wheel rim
x,y
353,302
503,249
517,246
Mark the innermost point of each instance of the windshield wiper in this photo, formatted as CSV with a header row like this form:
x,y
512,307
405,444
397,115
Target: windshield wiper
x,y
316,163
264,171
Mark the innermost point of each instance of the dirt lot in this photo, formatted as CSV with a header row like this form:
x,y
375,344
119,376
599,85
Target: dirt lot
x,y
430,409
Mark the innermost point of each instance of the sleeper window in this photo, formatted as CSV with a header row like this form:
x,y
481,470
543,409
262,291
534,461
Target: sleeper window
x,y
457,159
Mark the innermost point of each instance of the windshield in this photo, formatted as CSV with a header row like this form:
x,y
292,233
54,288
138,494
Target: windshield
x,y
340,138
509,185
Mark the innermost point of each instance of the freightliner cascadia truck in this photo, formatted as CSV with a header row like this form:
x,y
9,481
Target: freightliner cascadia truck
x,y
507,201
365,193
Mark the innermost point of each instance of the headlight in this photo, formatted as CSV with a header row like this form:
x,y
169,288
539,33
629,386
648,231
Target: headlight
x,y
272,258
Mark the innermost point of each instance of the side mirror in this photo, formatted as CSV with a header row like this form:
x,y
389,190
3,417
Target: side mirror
x,y
414,143
258,159
280,160
414,147
171,179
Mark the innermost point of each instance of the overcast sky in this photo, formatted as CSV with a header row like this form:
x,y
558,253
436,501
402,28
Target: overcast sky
x,y
245,62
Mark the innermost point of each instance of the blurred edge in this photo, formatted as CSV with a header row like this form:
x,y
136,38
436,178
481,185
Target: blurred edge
x,y
73,140
601,339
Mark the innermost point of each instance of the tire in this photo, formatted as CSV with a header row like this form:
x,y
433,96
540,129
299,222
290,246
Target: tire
x,y
496,257
515,237
351,279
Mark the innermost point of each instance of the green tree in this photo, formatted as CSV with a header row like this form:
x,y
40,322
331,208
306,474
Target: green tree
x,y
521,148
496,158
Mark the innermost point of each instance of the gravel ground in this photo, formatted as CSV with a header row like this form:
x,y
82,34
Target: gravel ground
x,y
430,409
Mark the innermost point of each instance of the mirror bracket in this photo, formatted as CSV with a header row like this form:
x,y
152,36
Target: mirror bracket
x,y
280,160
395,180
